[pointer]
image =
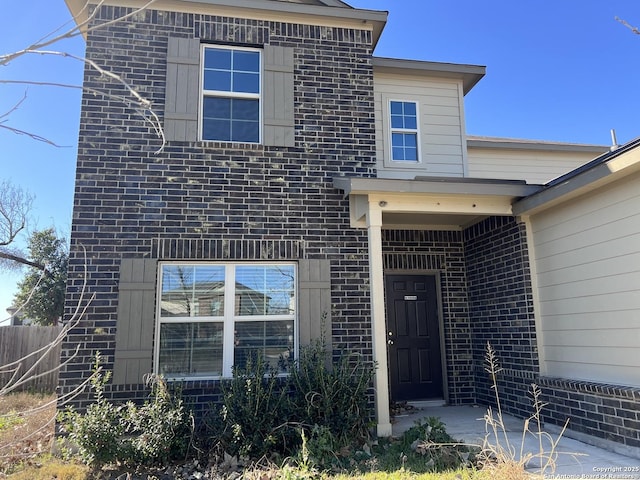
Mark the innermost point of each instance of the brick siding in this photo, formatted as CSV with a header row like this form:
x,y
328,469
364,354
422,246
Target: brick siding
x,y
611,412
501,311
217,200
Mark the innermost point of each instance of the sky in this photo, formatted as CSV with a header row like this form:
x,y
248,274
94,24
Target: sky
x,y
561,70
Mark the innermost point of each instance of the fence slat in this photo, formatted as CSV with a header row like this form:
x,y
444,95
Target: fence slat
x,y
19,341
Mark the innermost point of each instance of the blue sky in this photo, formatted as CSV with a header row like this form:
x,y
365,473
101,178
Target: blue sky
x,y
556,70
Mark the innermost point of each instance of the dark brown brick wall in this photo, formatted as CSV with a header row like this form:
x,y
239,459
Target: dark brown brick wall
x,y
611,412
501,311
266,202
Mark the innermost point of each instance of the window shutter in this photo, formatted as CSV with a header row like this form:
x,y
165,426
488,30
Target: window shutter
x,y
182,89
136,321
278,97
314,290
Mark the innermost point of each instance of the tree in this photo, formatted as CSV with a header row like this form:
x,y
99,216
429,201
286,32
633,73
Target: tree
x,y
15,206
41,292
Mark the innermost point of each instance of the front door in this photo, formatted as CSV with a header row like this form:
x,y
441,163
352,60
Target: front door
x,y
413,337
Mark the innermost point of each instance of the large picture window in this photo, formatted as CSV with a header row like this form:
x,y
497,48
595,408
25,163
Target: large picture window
x,y
215,316
231,90
404,131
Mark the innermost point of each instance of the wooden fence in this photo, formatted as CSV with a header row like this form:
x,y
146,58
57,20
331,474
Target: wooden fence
x,y
18,341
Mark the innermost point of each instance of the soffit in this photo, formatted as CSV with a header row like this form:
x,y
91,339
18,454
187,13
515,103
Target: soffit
x,y
310,12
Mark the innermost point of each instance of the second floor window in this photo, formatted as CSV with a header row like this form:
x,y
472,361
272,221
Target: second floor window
x,y
404,131
231,91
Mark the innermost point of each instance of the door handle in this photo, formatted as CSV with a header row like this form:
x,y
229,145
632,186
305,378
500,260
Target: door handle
x,y
389,342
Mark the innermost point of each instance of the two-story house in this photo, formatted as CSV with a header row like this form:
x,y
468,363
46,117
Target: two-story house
x,y
308,186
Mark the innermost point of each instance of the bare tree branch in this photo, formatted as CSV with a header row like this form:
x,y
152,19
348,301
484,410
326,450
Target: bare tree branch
x,y
23,261
17,131
635,30
142,106
19,376
80,28
15,205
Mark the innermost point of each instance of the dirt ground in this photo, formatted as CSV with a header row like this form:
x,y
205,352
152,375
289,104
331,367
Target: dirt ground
x,y
26,427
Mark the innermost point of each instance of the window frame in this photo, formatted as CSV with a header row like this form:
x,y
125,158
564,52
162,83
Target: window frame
x,y
231,95
391,130
229,317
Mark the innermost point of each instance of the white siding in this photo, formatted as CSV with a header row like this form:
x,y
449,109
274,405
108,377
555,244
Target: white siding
x,y
534,166
587,263
441,125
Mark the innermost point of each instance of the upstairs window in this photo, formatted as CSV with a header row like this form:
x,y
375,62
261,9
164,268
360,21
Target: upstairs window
x,y
404,131
231,94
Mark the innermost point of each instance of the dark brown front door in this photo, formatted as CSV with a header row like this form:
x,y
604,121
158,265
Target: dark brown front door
x,y
413,337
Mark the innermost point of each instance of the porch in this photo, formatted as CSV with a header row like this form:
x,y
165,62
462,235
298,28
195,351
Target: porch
x,y
449,273
575,458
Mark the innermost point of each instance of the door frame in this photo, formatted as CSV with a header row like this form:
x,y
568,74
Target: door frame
x,y
443,352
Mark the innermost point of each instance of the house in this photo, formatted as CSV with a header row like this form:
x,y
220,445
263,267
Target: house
x,y
16,318
342,190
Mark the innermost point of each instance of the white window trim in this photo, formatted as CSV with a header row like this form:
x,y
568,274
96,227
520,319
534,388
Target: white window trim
x,y
390,131
220,93
228,319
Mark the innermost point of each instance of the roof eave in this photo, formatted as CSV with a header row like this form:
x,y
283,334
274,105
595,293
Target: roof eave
x,y
469,74
521,144
376,18
435,185
601,171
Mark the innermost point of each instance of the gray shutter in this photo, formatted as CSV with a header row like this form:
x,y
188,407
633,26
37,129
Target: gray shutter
x,y
314,290
278,97
136,320
182,89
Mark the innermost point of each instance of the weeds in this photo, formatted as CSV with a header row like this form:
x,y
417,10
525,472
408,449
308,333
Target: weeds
x,y
499,454
26,427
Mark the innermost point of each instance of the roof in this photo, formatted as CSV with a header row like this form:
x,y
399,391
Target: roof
x,y
469,74
324,10
601,171
437,185
524,144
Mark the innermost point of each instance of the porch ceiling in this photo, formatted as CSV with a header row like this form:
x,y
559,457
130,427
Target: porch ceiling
x,y
435,203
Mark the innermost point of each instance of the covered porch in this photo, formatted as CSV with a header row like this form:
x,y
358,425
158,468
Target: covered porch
x,y
449,272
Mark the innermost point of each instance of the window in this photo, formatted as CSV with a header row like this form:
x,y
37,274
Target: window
x,y
404,131
214,316
231,89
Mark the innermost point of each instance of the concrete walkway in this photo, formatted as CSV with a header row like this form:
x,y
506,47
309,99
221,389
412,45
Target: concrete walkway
x,y
574,459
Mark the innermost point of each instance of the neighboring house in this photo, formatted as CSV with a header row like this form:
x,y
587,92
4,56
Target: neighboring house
x,y
340,191
16,318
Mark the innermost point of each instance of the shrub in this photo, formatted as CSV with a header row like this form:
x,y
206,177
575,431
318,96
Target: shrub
x,y
98,432
263,412
332,398
253,420
153,433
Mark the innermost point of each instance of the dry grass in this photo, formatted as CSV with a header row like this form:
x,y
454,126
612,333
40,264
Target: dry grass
x,y
28,427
